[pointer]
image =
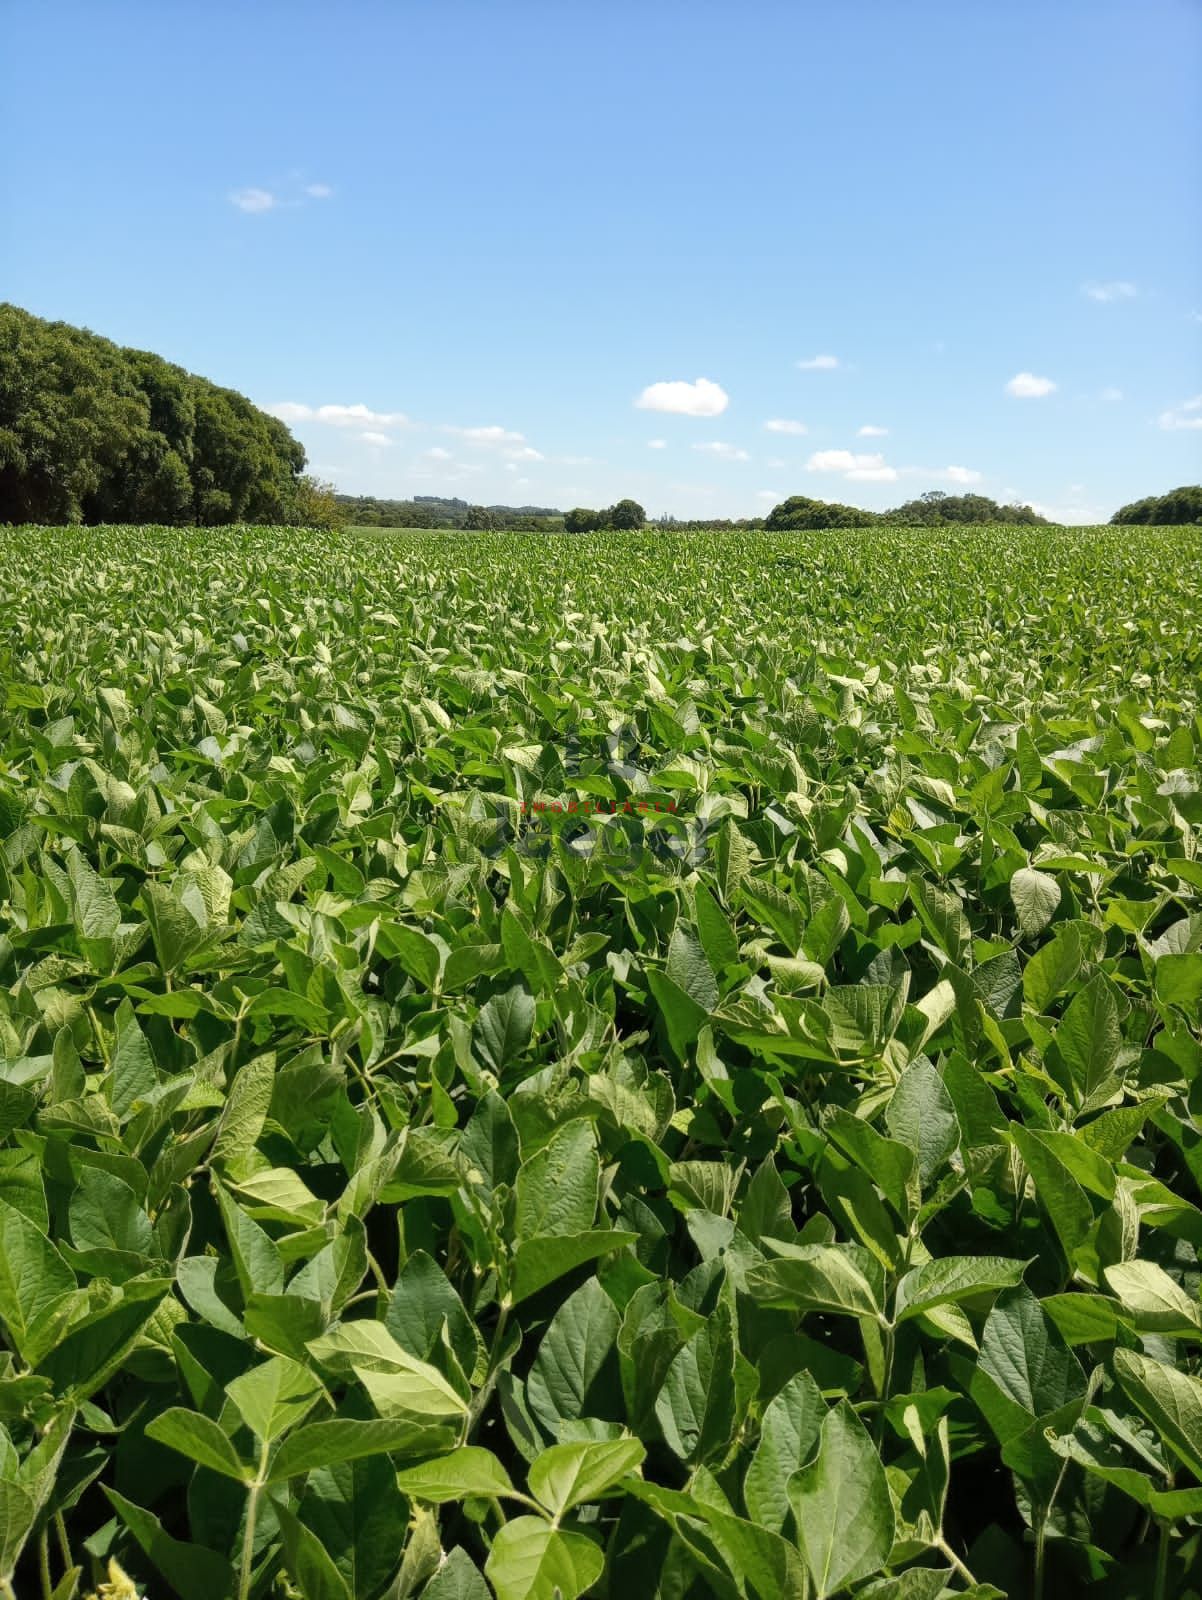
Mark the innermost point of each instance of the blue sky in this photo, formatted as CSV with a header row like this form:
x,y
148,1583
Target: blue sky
x,y
456,243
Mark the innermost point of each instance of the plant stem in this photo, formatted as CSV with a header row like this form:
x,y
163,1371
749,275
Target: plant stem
x,y
44,1562
945,1549
64,1544
1037,1586
1162,1561
248,1541
252,1514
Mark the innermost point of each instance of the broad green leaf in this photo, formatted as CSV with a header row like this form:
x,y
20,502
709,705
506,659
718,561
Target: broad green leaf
x,y
1036,897
788,1433
1171,1400
324,1444
504,1028
569,1475
454,1477
841,1505
950,1279
696,1408
274,1396
814,1277
530,1560
200,1439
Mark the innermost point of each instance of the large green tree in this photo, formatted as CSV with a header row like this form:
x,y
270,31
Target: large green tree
x,y
798,511
93,432
1164,510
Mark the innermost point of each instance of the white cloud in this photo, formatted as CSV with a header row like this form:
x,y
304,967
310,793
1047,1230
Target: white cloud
x,y
376,438
1078,516
1186,415
437,453
961,475
511,444
289,194
254,200
489,435
1026,386
356,416
1106,292
727,452
698,399
856,468
785,425
1111,394
870,431
843,461
657,444
819,364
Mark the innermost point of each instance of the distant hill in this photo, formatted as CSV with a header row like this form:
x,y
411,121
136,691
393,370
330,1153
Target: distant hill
x,y
439,511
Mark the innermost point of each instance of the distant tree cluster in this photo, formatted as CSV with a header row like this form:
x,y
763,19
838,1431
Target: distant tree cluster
x,y
435,511
1163,510
626,514
800,512
709,524
93,432
933,509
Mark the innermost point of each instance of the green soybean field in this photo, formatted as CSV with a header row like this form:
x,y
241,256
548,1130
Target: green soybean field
x,y
648,1066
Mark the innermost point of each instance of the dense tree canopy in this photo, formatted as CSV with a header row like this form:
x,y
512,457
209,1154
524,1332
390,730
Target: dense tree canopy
x,y
934,509
1164,510
625,514
798,511
93,432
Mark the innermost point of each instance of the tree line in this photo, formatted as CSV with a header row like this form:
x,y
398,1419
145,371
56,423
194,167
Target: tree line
x,y
93,432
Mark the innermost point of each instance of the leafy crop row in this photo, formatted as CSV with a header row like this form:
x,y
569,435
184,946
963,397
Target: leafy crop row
x,y
405,1192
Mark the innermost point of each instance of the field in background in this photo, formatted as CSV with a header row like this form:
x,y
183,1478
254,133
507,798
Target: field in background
x,y
640,1063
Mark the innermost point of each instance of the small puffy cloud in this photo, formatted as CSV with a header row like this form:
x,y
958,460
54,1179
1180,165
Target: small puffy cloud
x,y
842,461
819,364
856,468
961,475
1105,293
356,416
701,398
490,435
437,453
785,425
289,194
523,452
1187,415
871,431
725,452
1111,394
657,444
1026,386
375,438
254,200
